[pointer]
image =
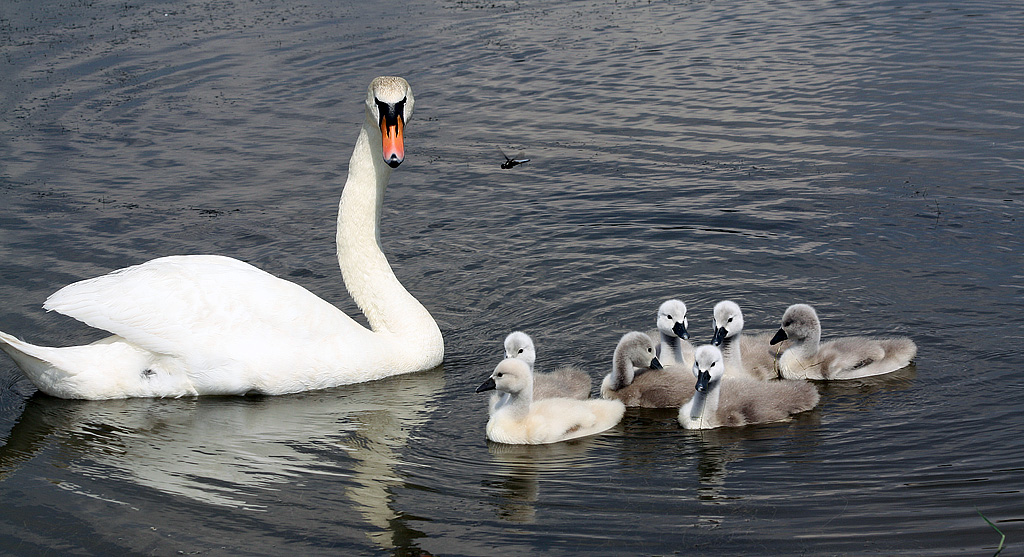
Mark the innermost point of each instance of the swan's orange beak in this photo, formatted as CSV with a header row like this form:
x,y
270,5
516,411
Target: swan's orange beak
x,y
391,125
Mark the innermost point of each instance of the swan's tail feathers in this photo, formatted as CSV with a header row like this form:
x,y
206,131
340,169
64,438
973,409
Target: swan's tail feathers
x,y
30,358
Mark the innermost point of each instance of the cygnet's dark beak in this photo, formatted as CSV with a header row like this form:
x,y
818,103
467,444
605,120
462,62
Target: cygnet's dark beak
x,y
779,337
680,330
655,364
720,334
487,386
703,379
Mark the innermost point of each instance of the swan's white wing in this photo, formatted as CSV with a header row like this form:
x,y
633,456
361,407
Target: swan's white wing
x,y
188,305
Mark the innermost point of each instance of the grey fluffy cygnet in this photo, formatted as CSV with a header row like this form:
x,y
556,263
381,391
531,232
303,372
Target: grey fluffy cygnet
x,y
722,401
842,358
638,378
566,381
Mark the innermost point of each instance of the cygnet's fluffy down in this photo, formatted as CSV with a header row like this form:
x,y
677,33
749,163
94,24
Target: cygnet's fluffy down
x,y
737,401
842,358
671,345
565,381
638,378
746,354
523,421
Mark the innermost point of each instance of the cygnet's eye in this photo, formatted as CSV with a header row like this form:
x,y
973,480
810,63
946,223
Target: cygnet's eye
x,y
712,365
650,350
730,320
499,374
520,350
669,316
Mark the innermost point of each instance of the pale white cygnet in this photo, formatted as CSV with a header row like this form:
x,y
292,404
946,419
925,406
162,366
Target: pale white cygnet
x,y
524,421
842,358
746,355
672,347
638,378
737,401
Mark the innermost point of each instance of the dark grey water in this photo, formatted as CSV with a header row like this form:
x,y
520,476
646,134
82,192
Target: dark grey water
x,y
863,157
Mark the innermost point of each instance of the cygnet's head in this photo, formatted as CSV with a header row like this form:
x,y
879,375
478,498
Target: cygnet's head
x,y
799,323
389,103
728,321
707,366
519,345
637,349
672,319
511,376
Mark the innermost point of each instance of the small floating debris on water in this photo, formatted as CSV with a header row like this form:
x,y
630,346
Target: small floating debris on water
x,y
512,161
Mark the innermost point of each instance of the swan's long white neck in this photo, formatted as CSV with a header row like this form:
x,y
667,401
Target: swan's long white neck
x,y
387,305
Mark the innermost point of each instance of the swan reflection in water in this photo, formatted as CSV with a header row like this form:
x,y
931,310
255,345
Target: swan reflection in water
x,y
276,460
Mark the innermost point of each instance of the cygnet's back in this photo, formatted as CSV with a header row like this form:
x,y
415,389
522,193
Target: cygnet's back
x,y
738,401
842,358
523,421
639,379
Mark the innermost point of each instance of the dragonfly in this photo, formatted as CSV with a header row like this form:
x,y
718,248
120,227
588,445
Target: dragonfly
x,y
512,161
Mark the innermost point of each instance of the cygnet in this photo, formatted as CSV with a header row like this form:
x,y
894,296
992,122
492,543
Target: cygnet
x,y
842,358
746,355
523,421
638,378
737,401
672,348
566,381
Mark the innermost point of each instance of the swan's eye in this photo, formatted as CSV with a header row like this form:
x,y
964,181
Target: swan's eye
x,y
730,320
520,350
498,374
669,316
650,350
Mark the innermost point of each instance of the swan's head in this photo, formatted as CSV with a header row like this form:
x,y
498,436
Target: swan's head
x,y
511,376
672,319
389,106
728,321
637,350
519,345
799,323
707,367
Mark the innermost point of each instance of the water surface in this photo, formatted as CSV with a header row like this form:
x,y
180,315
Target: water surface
x,y
864,157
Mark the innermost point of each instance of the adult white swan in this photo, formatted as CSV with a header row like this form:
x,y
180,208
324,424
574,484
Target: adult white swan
x,y
207,324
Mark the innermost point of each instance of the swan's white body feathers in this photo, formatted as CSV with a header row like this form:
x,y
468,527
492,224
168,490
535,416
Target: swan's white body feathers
x,y
207,324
